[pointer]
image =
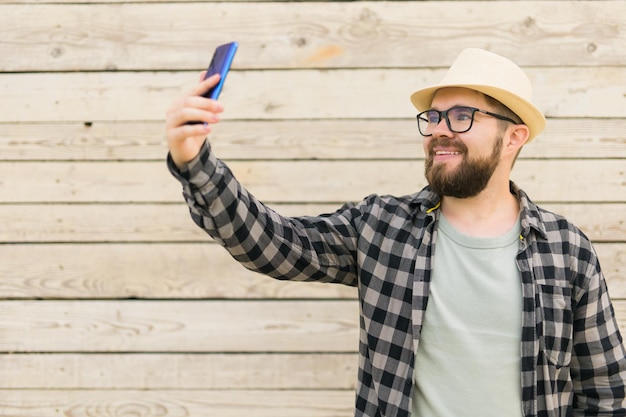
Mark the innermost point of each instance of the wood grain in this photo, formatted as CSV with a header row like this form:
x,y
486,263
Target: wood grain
x,y
184,371
179,326
293,181
319,139
178,271
113,303
285,94
186,326
157,223
158,271
148,36
184,403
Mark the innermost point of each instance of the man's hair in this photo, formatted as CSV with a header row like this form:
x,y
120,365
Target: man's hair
x,y
503,110
503,124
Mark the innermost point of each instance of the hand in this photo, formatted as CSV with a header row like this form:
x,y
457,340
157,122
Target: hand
x,y
185,140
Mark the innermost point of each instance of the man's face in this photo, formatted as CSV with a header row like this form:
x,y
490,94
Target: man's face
x,y
461,164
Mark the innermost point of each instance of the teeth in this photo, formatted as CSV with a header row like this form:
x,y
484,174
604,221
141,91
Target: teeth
x,y
447,153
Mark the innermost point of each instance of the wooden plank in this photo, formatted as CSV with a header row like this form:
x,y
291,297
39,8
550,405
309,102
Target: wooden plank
x,y
288,139
613,260
179,326
139,223
274,94
186,327
80,141
187,403
178,271
98,223
308,181
167,371
32,2
187,271
620,314
140,36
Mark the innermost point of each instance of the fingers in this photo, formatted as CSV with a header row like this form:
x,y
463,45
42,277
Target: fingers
x,y
184,140
193,109
179,133
189,120
204,85
190,117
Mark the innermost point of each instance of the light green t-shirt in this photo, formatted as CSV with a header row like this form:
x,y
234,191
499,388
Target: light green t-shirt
x,y
468,360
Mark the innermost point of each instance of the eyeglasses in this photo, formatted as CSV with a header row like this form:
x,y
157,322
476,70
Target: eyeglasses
x,y
459,119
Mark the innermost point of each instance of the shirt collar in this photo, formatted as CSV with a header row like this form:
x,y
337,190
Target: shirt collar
x,y
530,215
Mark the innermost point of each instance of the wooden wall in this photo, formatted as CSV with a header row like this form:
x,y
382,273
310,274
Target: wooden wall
x,y
112,303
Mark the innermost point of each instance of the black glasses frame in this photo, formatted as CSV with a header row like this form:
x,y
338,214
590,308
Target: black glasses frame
x,y
444,115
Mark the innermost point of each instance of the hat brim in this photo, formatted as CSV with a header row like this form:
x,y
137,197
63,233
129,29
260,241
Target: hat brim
x,y
528,112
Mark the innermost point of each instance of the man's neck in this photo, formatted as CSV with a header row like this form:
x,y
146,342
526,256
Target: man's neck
x,y
491,213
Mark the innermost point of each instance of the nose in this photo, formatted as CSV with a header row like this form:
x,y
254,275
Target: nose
x,y
442,129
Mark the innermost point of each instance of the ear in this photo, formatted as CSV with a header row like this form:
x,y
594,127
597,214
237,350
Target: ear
x,y
516,138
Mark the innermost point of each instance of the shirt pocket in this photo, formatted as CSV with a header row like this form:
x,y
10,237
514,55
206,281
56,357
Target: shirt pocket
x,y
555,313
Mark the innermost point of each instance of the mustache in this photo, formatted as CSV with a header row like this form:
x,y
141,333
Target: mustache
x,y
446,143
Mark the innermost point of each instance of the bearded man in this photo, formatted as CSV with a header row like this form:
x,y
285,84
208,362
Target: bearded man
x,y
473,300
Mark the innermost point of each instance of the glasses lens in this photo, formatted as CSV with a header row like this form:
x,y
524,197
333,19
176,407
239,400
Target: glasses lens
x,y
460,119
427,121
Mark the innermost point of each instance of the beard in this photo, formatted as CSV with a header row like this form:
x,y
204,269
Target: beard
x,y
468,179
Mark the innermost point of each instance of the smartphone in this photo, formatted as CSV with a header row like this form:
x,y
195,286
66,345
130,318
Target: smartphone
x,y
220,64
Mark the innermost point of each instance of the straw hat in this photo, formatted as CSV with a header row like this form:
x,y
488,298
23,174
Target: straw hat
x,y
494,76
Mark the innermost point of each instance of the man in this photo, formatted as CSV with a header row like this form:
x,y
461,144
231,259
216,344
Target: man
x,y
473,300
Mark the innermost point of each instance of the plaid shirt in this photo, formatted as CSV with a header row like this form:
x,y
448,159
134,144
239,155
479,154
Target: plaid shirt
x,y
572,358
